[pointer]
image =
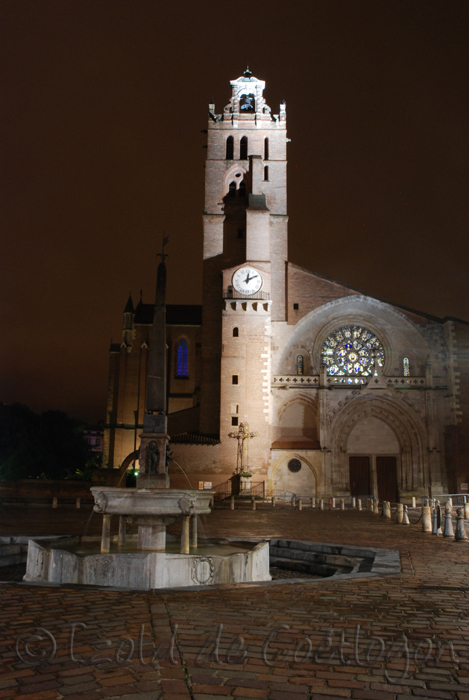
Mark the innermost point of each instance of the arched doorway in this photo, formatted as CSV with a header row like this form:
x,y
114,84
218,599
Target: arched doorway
x,y
378,428
373,450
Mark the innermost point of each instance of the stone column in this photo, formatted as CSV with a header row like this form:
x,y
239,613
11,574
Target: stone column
x,y
121,536
185,534
106,534
193,533
152,532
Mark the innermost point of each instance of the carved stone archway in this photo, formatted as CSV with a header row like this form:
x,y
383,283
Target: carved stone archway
x,y
408,428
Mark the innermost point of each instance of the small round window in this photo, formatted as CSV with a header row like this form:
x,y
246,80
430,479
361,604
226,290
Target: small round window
x,y
294,465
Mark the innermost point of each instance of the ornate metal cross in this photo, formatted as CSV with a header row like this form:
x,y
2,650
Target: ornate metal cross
x,y
242,436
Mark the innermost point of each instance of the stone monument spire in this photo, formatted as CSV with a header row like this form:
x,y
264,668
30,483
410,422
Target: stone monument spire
x,y
154,439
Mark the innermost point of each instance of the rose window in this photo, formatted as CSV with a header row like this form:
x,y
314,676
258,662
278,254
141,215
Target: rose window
x,y
350,351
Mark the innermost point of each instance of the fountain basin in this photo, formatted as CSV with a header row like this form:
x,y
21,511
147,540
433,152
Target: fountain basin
x,y
175,502
150,570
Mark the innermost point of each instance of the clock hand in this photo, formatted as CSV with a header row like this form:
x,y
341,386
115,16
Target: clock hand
x,y
248,279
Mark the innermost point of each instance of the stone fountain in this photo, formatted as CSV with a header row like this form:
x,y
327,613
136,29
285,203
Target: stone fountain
x,y
152,505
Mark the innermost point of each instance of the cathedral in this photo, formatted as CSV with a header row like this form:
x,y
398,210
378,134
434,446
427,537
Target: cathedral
x,y
344,394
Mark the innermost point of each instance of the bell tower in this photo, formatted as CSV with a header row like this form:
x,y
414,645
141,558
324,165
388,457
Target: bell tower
x,y
245,253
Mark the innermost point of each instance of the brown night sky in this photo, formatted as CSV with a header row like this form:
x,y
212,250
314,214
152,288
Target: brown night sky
x,y
102,103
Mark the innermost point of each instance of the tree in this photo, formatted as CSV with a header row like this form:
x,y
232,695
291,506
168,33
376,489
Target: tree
x,y
45,446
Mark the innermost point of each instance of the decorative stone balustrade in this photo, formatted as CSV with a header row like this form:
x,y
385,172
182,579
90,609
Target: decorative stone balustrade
x,y
345,382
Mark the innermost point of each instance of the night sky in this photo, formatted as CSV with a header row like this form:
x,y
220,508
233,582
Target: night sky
x,y
102,104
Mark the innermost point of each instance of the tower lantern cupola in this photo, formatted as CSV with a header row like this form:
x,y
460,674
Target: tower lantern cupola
x,y
247,96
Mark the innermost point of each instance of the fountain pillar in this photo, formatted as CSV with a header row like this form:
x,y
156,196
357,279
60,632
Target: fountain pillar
x,y
106,535
152,532
185,534
193,538
121,536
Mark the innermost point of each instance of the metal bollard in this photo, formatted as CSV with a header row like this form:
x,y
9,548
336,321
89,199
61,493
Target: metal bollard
x,y
405,519
387,509
321,504
448,529
300,504
342,504
400,512
414,502
253,503
54,502
232,503
426,519
460,534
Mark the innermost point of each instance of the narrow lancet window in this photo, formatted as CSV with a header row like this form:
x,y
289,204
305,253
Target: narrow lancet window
x,y
300,364
181,359
229,148
266,149
266,173
243,148
406,366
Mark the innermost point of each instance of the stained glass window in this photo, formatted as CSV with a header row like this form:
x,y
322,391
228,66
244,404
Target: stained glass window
x,y
299,364
406,366
349,351
181,362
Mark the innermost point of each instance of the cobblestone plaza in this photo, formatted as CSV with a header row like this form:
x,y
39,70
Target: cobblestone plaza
x,y
398,636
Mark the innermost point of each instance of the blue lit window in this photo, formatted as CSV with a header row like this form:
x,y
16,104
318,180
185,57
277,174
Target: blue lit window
x,y
299,364
181,358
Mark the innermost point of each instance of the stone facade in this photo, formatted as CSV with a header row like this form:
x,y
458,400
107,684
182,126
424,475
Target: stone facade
x,y
257,356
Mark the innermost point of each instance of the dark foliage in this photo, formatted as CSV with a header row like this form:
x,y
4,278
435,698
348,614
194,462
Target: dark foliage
x,y
46,446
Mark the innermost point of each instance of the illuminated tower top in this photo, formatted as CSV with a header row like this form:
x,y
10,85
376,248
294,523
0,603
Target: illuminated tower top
x,y
247,101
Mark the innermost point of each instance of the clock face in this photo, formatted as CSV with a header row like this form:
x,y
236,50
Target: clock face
x,y
247,280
